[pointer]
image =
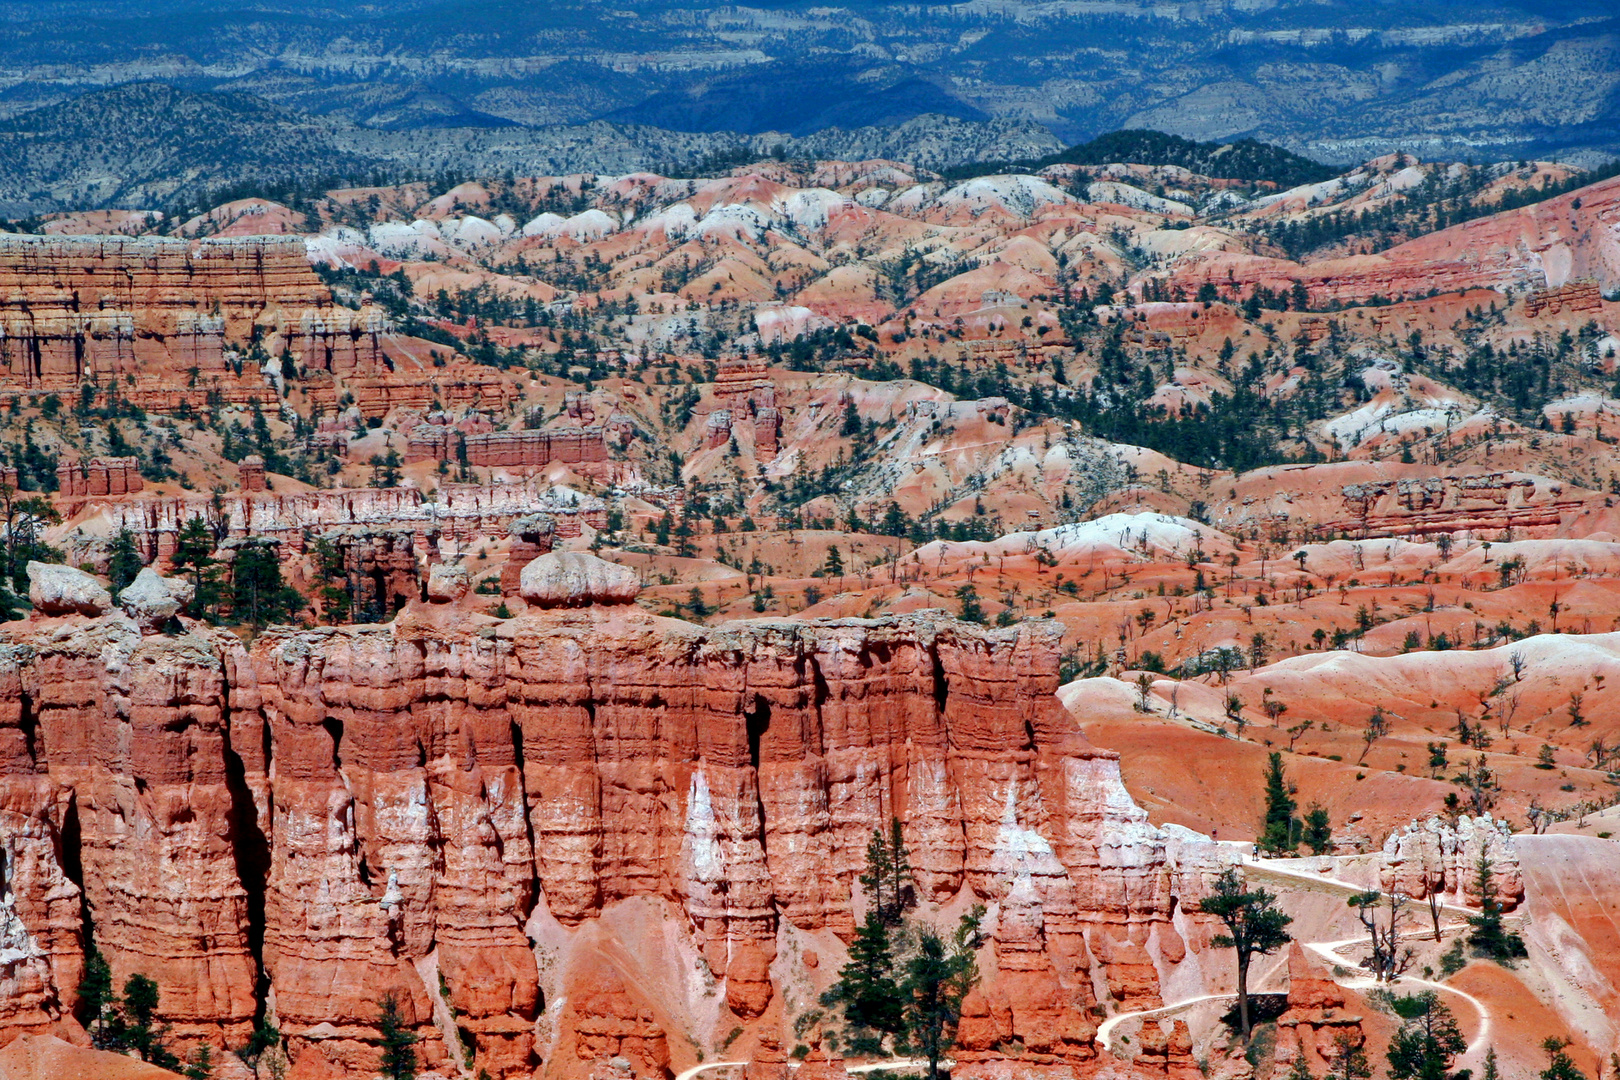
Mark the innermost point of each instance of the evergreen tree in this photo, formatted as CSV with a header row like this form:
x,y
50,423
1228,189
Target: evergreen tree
x,y
140,1009
398,1055
1255,927
124,561
1487,933
972,611
384,470
200,1065
852,420
1318,834
1560,1066
938,978
1348,1060
258,594
866,985
95,992
128,1024
1428,1040
194,550
887,878
1278,832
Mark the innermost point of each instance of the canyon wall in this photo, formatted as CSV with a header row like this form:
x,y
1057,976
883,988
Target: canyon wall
x,y
297,828
462,513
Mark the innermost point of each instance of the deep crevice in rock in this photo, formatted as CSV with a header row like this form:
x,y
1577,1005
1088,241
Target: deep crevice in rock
x,y
250,849
757,721
334,728
28,723
70,856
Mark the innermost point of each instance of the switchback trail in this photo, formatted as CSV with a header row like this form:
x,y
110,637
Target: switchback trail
x,y
868,1067
1259,869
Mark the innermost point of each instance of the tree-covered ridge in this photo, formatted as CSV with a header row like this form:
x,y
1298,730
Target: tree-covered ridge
x,y
1244,159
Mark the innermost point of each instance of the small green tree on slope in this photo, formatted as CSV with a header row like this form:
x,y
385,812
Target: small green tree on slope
x,y
1279,832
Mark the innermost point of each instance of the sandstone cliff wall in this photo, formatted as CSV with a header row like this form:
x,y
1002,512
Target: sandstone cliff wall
x,y
339,813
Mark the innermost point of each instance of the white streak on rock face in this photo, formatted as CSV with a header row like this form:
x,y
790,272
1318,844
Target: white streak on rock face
x,y
700,847
17,945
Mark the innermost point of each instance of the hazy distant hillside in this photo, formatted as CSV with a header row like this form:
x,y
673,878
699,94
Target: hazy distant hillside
x,y
148,144
1337,80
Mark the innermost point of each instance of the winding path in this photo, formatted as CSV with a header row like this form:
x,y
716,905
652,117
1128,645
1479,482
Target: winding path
x,y
1326,950
1329,951
870,1066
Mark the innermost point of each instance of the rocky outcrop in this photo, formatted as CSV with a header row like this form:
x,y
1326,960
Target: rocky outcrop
x,y
507,449
160,278
79,308
1317,1013
531,537
1575,298
250,473
575,579
463,513
378,568
117,778
1428,505
743,390
1434,856
616,1030
61,590
102,476
152,601
447,583
339,810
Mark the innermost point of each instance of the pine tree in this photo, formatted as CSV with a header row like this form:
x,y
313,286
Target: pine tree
x,y
1255,927
899,868
1427,1041
852,420
132,1026
95,992
200,1065
938,978
1277,833
194,550
972,611
124,561
1486,932
258,594
1348,1061
875,879
398,1057
1318,834
866,985
887,878
1560,1066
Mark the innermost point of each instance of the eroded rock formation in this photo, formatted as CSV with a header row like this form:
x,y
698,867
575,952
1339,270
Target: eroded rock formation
x,y
1434,856
339,810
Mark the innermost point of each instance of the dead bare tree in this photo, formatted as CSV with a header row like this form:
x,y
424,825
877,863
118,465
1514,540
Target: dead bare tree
x,y
1389,960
